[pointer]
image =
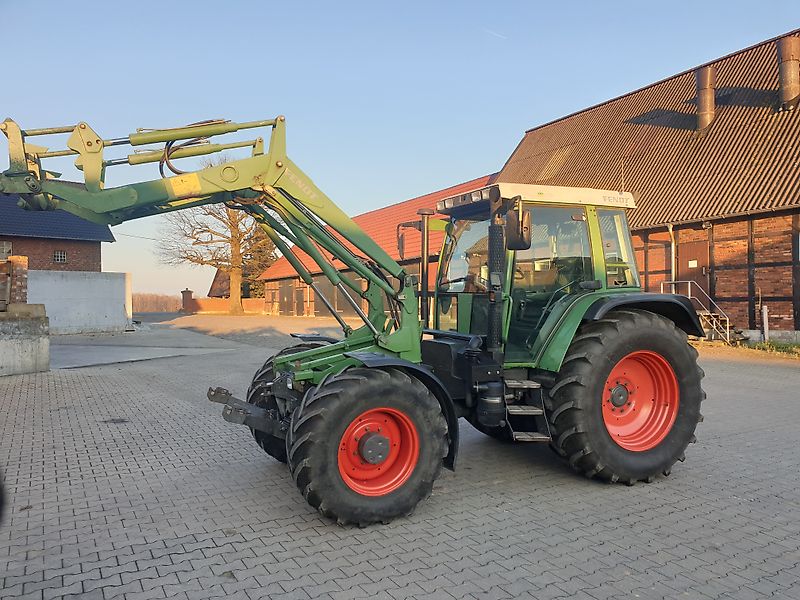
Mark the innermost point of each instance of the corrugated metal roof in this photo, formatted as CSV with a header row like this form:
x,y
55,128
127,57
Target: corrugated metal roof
x,y
381,226
646,142
220,285
50,224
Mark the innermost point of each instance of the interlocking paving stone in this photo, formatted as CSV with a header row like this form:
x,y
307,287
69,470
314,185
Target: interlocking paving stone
x,y
173,502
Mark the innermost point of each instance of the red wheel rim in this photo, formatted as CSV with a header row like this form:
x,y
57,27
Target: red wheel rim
x,y
389,429
640,401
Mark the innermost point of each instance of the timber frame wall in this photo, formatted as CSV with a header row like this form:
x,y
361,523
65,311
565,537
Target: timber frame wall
x,y
752,260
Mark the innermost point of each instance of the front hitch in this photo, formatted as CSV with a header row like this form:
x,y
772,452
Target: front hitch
x,y
243,413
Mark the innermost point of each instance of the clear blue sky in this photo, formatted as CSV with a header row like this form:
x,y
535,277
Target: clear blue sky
x,y
384,101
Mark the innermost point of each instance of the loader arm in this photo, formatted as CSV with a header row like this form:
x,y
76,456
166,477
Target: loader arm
x,y
290,208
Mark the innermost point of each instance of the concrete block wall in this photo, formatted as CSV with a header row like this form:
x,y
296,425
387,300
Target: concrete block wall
x,y
83,301
24,340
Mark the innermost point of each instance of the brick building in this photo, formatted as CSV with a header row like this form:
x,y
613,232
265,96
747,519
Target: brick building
x,y
713,158
711,155
52,240
285,294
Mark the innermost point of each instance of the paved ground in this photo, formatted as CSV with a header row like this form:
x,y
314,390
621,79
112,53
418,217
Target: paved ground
x,y
126,483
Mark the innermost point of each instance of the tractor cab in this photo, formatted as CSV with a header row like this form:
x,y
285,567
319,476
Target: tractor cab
x,y
559,243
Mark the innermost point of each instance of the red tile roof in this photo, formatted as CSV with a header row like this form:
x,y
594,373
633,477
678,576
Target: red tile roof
x,y
381,226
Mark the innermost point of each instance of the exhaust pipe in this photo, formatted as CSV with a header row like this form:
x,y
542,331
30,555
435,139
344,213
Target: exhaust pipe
x,y
705,81
789,71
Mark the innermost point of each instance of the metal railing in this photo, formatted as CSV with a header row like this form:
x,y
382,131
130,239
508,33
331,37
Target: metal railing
x,y
711,316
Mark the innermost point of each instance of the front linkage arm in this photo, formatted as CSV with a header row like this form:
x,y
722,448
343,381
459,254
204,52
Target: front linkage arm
x,y
268,185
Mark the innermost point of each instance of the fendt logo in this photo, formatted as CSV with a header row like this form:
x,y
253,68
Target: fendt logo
x,y
305,187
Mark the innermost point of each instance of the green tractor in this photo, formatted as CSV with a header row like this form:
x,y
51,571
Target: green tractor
x,y
540,331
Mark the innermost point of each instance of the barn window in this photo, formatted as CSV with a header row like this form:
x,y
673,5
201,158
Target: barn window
x,y
60,256
5,250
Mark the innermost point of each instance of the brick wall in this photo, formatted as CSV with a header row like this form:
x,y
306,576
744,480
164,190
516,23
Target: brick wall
x,y
751,259
19,279
192,305
730,270
81,255
658,260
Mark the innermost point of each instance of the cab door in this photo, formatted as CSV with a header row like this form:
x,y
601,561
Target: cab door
x,y
558,260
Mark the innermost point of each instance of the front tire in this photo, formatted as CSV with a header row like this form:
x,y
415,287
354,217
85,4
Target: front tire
x,y
627,400
366,445
259,394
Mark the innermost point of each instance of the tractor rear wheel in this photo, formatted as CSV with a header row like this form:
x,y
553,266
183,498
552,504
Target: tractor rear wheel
x,y
259,394
627,400
366,445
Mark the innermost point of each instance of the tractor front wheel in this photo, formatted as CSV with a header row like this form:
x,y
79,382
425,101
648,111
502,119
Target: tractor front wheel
x,y
366,445
627,400
259,393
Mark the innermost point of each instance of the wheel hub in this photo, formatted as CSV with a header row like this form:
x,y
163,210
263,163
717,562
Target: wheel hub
x,y
373,448
619,395
378,451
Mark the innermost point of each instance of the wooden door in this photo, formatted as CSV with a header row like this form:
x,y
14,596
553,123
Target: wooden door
x,y
693,263
299,300
286,290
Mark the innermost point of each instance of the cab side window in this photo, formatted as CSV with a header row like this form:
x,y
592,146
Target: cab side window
x,y
620,261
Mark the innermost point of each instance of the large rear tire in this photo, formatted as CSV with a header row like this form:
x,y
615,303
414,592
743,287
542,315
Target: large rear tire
x,y
366,445
627,400
259,394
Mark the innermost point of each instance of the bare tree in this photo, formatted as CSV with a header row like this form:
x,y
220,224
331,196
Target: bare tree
x,y
224,238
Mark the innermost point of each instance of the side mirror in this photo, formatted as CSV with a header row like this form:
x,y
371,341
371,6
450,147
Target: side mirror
x,y
518,229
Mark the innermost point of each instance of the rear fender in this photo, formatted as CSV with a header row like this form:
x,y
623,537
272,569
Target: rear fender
x,y
678,309
431,381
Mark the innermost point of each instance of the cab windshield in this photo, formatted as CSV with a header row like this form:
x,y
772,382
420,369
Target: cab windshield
x,y
465,262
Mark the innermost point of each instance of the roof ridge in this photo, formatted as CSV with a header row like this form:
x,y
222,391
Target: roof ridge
x,y
664,80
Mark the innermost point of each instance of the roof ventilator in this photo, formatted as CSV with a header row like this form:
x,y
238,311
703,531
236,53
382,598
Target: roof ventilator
x,y
705,82
789,71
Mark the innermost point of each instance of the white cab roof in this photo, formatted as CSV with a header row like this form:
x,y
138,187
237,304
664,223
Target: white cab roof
x,y
550,194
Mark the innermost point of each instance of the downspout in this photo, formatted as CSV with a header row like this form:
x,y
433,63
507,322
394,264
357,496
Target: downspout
x,y
672,261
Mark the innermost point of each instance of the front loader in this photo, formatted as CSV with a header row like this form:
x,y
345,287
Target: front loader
x,y
540,331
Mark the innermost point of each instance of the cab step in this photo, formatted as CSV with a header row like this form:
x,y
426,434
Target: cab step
x,y
524,410
525,384
530,436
